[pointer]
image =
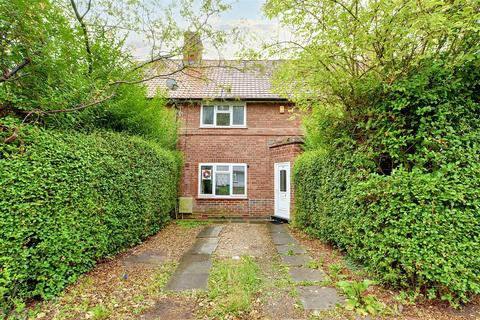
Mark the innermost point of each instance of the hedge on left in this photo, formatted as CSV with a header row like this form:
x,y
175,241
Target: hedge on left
x,y
69,199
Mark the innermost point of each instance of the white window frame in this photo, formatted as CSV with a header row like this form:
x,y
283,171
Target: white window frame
x,y
214,171
217,104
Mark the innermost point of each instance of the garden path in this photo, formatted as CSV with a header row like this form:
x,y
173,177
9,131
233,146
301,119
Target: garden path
x,y
266,243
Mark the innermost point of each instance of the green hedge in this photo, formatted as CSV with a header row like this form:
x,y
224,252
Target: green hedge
x,y
411,229
69,199
402,196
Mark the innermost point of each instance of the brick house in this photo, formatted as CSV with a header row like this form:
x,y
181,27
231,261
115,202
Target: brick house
x,y
239,140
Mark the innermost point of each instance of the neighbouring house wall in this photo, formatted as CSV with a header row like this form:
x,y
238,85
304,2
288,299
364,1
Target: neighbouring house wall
x,y
252,145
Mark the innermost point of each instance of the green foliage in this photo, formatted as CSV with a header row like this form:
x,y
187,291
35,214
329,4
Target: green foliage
x,y
100,312
69,199
397,189
233,285
314,264
356,298
70,54
131,112
57,75
190,223
342,50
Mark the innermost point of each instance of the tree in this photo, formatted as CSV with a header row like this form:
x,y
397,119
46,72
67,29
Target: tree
x,y
342,50
62,57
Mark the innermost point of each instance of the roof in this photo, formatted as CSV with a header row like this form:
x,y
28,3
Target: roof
x,y
215,79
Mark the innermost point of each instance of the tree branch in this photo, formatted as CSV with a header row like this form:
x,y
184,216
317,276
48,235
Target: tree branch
x,y
77,108
14,71
158,58
83,26
89,6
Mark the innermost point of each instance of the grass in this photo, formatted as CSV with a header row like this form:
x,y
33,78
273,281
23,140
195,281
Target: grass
x,y
233,286
100,312
190,223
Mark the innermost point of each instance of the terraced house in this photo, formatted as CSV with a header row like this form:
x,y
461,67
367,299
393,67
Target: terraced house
x,y
239,139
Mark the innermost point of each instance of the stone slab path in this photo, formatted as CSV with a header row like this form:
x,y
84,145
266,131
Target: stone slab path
x,y
194,267
293,255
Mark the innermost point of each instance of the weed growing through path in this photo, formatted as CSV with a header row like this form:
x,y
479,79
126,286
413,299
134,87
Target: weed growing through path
x,y
357,300
314,264
233,286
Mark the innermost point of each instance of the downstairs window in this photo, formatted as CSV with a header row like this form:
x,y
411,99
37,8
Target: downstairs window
x,y
223,180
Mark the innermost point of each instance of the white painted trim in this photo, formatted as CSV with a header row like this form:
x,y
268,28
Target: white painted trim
x,y
230,170
232,104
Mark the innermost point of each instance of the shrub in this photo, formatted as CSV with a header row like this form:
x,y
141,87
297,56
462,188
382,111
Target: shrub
x,y
130,112
69,199
400,193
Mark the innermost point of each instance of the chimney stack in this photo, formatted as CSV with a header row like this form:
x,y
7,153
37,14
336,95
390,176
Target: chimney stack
x,y
192,48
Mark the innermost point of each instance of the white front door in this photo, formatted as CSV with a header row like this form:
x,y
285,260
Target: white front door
x,y
282,190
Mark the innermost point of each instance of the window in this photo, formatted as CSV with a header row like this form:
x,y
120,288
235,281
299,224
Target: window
x,y
283,180
223,115
223,180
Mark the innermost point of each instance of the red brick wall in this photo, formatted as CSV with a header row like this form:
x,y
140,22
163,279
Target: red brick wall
x,y
251,145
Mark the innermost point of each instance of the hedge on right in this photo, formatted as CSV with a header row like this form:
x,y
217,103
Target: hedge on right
x,y
404,201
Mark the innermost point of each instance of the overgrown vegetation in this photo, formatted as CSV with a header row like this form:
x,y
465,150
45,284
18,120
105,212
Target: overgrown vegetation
x,y
356,298
190,223
404,201
392,174
69,199
233,285
87,161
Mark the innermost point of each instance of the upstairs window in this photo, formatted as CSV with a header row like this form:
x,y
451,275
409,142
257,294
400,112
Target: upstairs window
x,y
223,180
223,115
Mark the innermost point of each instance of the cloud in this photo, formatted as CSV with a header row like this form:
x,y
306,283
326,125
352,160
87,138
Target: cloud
x,y
252,25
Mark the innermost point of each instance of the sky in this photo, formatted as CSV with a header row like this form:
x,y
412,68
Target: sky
x,y
244,14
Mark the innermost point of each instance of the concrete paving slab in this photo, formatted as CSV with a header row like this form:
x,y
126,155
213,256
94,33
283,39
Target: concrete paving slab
x,y
283,238
295,261
189,258
318,298
188,281
274,228
259,221
300,274
210,232
204,246
289,249
195,267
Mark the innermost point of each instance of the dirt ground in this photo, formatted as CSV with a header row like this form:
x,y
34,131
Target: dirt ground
x,y
238,239
131,285
422,310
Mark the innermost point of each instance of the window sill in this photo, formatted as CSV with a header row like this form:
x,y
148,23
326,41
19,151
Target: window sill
x,y
220,127
200,197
